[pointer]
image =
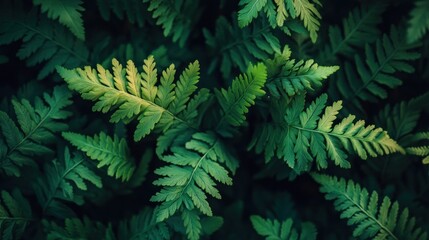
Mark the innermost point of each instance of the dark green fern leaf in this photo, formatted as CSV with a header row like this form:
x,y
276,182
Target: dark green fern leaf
x,y
60,183
36,128
236,100
176,17
68,13
75,228
239,47
418,148
361,23
288,77
112,152
15,215
418,24
43,41
190,176
133,10
300,135
143,226
367,80
363,211
130,93
274,229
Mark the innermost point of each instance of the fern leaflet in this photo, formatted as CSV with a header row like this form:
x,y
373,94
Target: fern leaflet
x,y
68,13
112,152
133,94
419,150
274,229
133,10
37,126
15,215
296,132
418,24
190,177
75,228
287,77
57,184
362,210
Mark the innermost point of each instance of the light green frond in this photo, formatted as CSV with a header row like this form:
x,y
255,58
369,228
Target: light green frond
x,y
363,210
418,23
68,13
308,13
285,230
236,100
131,94
15,215
35,129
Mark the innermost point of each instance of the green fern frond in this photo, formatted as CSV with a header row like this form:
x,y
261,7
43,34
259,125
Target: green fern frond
x,y
60,181
416,147
130,93
249,11
112,152
143,226
15,215
300,135
309,14
133,10
176,17
366,81
274,229
43,41
190,176
68,13
36,127
363,211
288,77
236,100
75,228
418,24
361,23
239,47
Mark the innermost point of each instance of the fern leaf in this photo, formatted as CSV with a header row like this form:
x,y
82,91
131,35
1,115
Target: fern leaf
x,y
390,55
15,215
132,94
112,152
304,135
245,88
239,47
309,14
418,24
288,77
249,11
75,228
61,179
133,10
143,226
274,229
363,210
361,23
36,128
417,148
43,41
175,17
68,13
190,177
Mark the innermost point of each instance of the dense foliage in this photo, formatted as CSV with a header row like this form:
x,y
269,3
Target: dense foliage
x,y
188,119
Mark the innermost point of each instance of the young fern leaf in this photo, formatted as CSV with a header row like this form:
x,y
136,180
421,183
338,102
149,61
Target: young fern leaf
x,y
36,128
361,23
391,54
130,94
43,41
286,77
418,24
133,10
300,136
417,149
112,152
308,13
75,228
239,47
274,229
60,181
363,210
176,17
143,226
15,215
236,100
68,13
189,177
